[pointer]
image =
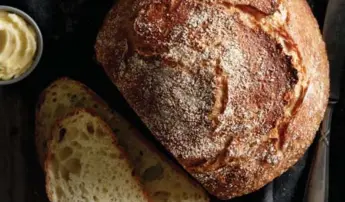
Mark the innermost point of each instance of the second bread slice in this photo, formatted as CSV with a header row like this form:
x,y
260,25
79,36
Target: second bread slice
x,y
85,163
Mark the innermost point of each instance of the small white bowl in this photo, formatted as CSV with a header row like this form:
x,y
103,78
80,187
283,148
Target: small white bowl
x,y
39,41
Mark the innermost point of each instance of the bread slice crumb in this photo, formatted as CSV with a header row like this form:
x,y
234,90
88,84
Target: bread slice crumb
x,y
85,163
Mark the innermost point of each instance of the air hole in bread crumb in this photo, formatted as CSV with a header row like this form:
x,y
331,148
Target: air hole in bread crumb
x,y
95,198
95,106
84,136
54,100
73,98
64,173
90,128
70,190
65,153
82,188
161,196
177,185
54,93
76,145
113,156
177,198
103,153
62,134
59,193
185,196
153,173
141,153
73,166
105,190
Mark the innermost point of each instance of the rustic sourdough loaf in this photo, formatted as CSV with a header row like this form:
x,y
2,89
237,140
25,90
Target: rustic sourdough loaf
x,y
234,89
85,163
163,180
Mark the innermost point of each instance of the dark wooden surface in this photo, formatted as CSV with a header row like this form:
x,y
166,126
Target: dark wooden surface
x,y
69,28
14,131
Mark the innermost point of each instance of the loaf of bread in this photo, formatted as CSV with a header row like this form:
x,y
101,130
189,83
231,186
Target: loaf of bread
x,y
85,163
234,89
162,179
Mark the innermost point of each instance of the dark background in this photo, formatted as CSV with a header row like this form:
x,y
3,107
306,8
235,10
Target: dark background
x,y
69,28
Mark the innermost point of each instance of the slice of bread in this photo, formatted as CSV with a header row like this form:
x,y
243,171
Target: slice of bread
x,y
85,163
163,180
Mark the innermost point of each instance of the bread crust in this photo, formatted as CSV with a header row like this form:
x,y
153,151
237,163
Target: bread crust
x,y
231,130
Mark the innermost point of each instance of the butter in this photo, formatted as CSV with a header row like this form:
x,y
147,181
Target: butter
x,y
18,45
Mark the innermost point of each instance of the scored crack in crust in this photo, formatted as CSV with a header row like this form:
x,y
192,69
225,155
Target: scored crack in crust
x,y
234,89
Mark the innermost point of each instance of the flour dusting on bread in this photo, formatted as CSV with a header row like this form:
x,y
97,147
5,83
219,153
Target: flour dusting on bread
x,y
222,84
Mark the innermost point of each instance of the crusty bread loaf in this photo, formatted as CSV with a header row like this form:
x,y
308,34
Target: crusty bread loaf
x,y
85,163
234,89
162,180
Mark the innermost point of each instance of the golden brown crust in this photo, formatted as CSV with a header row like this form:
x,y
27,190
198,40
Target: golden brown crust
x,y
235,90
265,6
